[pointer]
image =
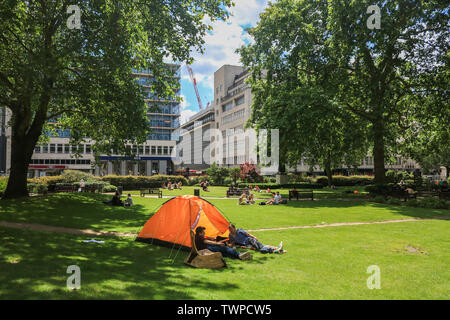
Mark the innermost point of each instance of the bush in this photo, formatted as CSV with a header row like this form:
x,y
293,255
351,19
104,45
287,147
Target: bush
x,y
69,176
394,201
379,199
380,189
341,181
195,180
137,182
302,185
3,183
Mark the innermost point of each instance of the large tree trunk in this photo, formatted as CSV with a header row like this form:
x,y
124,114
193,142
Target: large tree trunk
x,y
23,140
328,171
20,158
378,151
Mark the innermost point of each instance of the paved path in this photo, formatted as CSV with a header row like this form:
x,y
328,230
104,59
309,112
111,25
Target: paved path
x,y
339,224
87,232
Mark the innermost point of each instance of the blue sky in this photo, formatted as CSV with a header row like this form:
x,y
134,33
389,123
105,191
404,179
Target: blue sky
x,y
220,46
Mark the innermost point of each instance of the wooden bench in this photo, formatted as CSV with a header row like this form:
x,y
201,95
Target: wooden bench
x,y
151,191
445,195
301,195
236,192
403,194
65,188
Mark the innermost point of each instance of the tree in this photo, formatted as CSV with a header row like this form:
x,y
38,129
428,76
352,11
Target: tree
x,y
217,174
249,172
235,174
381,76
52,74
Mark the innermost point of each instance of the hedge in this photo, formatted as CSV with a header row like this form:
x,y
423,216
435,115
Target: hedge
x,y
300,185
341,181
137,182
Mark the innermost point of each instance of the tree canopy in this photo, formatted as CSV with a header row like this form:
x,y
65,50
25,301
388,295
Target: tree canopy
x,y
308,53
81,78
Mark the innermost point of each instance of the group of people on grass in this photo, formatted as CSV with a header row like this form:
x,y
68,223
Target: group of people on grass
x,y
237,238
172,185
247,198
115,201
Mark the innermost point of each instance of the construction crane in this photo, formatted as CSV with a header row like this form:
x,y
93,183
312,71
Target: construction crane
x,y
191,73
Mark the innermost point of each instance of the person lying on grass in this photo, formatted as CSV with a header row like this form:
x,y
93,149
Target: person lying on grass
x,y
241,237
201,242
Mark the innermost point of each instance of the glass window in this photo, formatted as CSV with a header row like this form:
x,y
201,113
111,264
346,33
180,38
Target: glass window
x,y
52,148
153,149
37,149
159,150
166,150
60,148
45,149
88,148
66,148
147,149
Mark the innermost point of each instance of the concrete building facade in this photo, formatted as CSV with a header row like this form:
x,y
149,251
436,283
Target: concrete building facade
x,y
193,147
153,157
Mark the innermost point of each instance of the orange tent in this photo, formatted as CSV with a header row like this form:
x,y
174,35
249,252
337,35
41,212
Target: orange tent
x,y
171,224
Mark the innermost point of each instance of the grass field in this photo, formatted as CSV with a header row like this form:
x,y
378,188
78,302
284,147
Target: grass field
x,y
321,263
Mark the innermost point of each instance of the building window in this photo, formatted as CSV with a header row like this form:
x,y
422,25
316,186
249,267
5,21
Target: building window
x,y
170,150
66,148
60,148
52,148
37,149
165,150
141,149
227,106
147,149
153,150
159,150
240,100
88,148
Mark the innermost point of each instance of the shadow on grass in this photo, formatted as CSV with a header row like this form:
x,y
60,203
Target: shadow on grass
x,y
34,266
76,210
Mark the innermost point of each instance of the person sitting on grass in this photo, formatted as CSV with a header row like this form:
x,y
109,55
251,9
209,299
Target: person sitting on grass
x,y
271,200
169,186
277,198
128,202
240,237
115,201
163,186
179,185
202,242
243,199
257,189
204,186
251,199
268,190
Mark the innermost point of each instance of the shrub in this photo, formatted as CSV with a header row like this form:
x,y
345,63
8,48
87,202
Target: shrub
x,y
194,180
217,174
3,183
380,189
137,182
76,176
394,201
346,181
301,185
379,199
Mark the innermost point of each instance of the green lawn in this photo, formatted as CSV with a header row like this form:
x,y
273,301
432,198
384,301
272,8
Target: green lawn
x,y
321,263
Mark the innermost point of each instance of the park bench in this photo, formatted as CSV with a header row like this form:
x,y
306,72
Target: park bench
x,y
151,191
236,192
301,194
66,188
403,194
445,195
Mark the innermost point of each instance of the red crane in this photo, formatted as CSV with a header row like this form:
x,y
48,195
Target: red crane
x,y
191,73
